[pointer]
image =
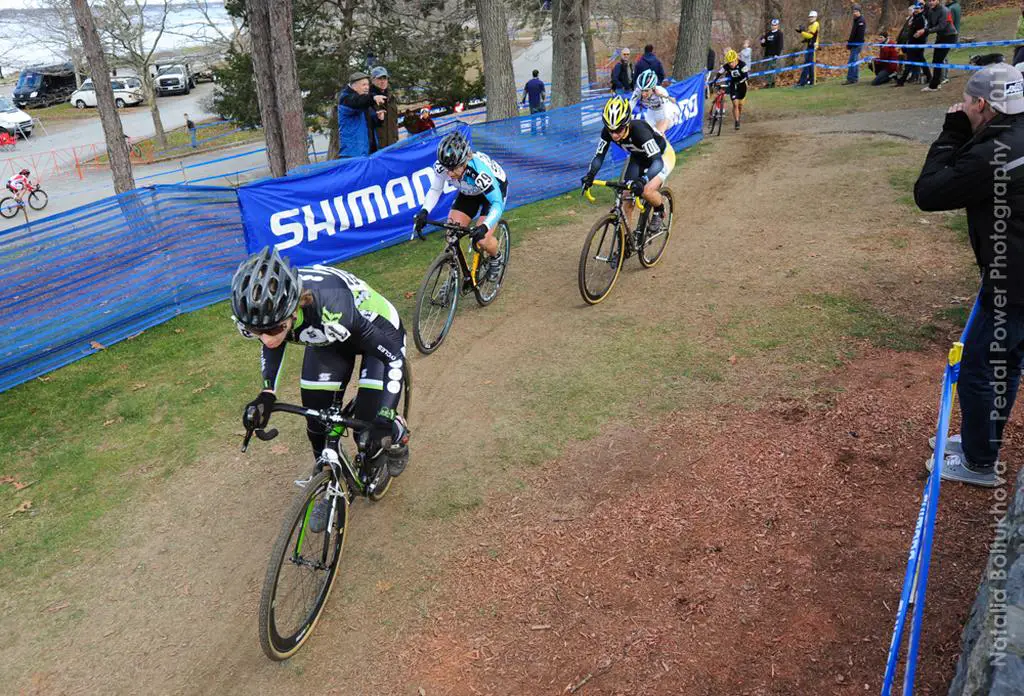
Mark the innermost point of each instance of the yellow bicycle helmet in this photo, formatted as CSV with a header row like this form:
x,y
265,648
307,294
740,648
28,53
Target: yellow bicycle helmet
x,y
616,113
731,56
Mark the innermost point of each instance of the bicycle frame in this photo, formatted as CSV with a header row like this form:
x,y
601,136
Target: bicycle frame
x,y
620,214
452,234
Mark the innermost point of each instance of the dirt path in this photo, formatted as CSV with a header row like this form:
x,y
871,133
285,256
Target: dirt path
x,y
172,610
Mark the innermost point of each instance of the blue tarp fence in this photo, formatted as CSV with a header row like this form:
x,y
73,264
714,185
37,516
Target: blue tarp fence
x,y
75,282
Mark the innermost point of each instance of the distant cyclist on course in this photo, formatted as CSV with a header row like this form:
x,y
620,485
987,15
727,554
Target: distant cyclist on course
x,y
19,184
337,317
482,187
736,73
651,157
662,112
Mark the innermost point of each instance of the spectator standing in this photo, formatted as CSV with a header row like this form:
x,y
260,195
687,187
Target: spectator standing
x,y
855,44
1018,54
622,74
940,23
809,36
975,164
386,123
772,43
746,54
649,61
916,32
954,9
886,66
419,122
533,92
191,132
356,117
710,73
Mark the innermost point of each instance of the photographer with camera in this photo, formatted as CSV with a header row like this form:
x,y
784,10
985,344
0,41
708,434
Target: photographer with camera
x,y
809,37
386,122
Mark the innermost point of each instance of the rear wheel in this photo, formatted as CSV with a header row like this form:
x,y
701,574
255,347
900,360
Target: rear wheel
x,y
119,103
487,290
79,104
9,207
435,303
302,571
652,246
38,199
601,259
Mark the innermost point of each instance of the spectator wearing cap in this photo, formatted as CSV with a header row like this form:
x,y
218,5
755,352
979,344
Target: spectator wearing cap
x,y
886,66
356,117
976,163
916,33
386,123
854,44
622,74
772,43
940,23
809,36
649,61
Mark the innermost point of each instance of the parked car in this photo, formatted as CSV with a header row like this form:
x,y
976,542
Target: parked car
x,y
44,85
174,79
13,120
127,92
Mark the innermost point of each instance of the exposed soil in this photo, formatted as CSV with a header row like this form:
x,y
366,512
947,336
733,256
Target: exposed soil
x,y
716,554
736,539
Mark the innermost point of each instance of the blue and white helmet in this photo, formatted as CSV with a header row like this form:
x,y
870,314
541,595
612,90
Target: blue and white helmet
x,y
647,80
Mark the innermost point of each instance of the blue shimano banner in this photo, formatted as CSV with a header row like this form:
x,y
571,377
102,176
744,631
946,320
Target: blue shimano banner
x,y
355,207
338,210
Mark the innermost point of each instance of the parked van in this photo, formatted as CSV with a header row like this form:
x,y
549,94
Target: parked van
x,y
127,92
44,85
13,120
174,79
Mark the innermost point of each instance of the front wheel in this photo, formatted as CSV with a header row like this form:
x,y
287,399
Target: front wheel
x,y
9,207
79,104
38,199
486,290
303,567
119,103
601,259
652,246
436,301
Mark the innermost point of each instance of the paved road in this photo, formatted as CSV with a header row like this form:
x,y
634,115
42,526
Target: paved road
x,y
135,120
537,56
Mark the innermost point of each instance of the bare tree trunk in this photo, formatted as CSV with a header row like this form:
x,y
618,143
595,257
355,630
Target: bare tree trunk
x,y
262,63
694,38
588,42
885,17
117,148
286,83
659,11
149,92
499,79
565,54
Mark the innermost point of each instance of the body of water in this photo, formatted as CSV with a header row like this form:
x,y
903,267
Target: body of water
x,y
30,37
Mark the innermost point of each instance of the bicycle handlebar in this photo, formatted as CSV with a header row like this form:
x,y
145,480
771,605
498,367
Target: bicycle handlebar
x,y
324,416
617,186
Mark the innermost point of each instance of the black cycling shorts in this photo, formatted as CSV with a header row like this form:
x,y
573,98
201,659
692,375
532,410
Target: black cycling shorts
x,y
739,92
476,206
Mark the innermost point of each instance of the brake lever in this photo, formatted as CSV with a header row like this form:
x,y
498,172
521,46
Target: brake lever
x,y
245,441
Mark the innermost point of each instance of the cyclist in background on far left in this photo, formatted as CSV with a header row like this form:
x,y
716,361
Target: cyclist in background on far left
x,y
735,71
19,184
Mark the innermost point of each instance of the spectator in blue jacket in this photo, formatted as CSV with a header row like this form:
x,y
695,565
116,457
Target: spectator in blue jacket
x,y
356,117
622,75
649,61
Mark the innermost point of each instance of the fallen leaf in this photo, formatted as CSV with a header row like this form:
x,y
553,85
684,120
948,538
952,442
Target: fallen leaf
x,y
109,422
733,359
138,385
179,331
410,295
45,379
25,506
96,345
202,388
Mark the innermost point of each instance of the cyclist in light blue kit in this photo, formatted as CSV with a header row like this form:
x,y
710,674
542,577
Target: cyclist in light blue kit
x,y
483,189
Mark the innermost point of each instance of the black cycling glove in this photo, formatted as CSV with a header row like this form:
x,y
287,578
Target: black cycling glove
x,y
257,412
636,187
587,181
479,232
420,220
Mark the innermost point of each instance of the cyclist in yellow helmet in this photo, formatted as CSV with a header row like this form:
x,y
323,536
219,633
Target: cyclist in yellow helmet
x,y
735,72
651,157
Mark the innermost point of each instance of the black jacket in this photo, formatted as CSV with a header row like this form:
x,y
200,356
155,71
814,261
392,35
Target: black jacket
x,y
938,21
857,31
387,130
915,23
984,173
649,61
711,59
772,42
622,76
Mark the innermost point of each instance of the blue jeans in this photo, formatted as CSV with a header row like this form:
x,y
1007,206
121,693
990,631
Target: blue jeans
x,y
192,137
807,74
989,377
539,109
853,72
